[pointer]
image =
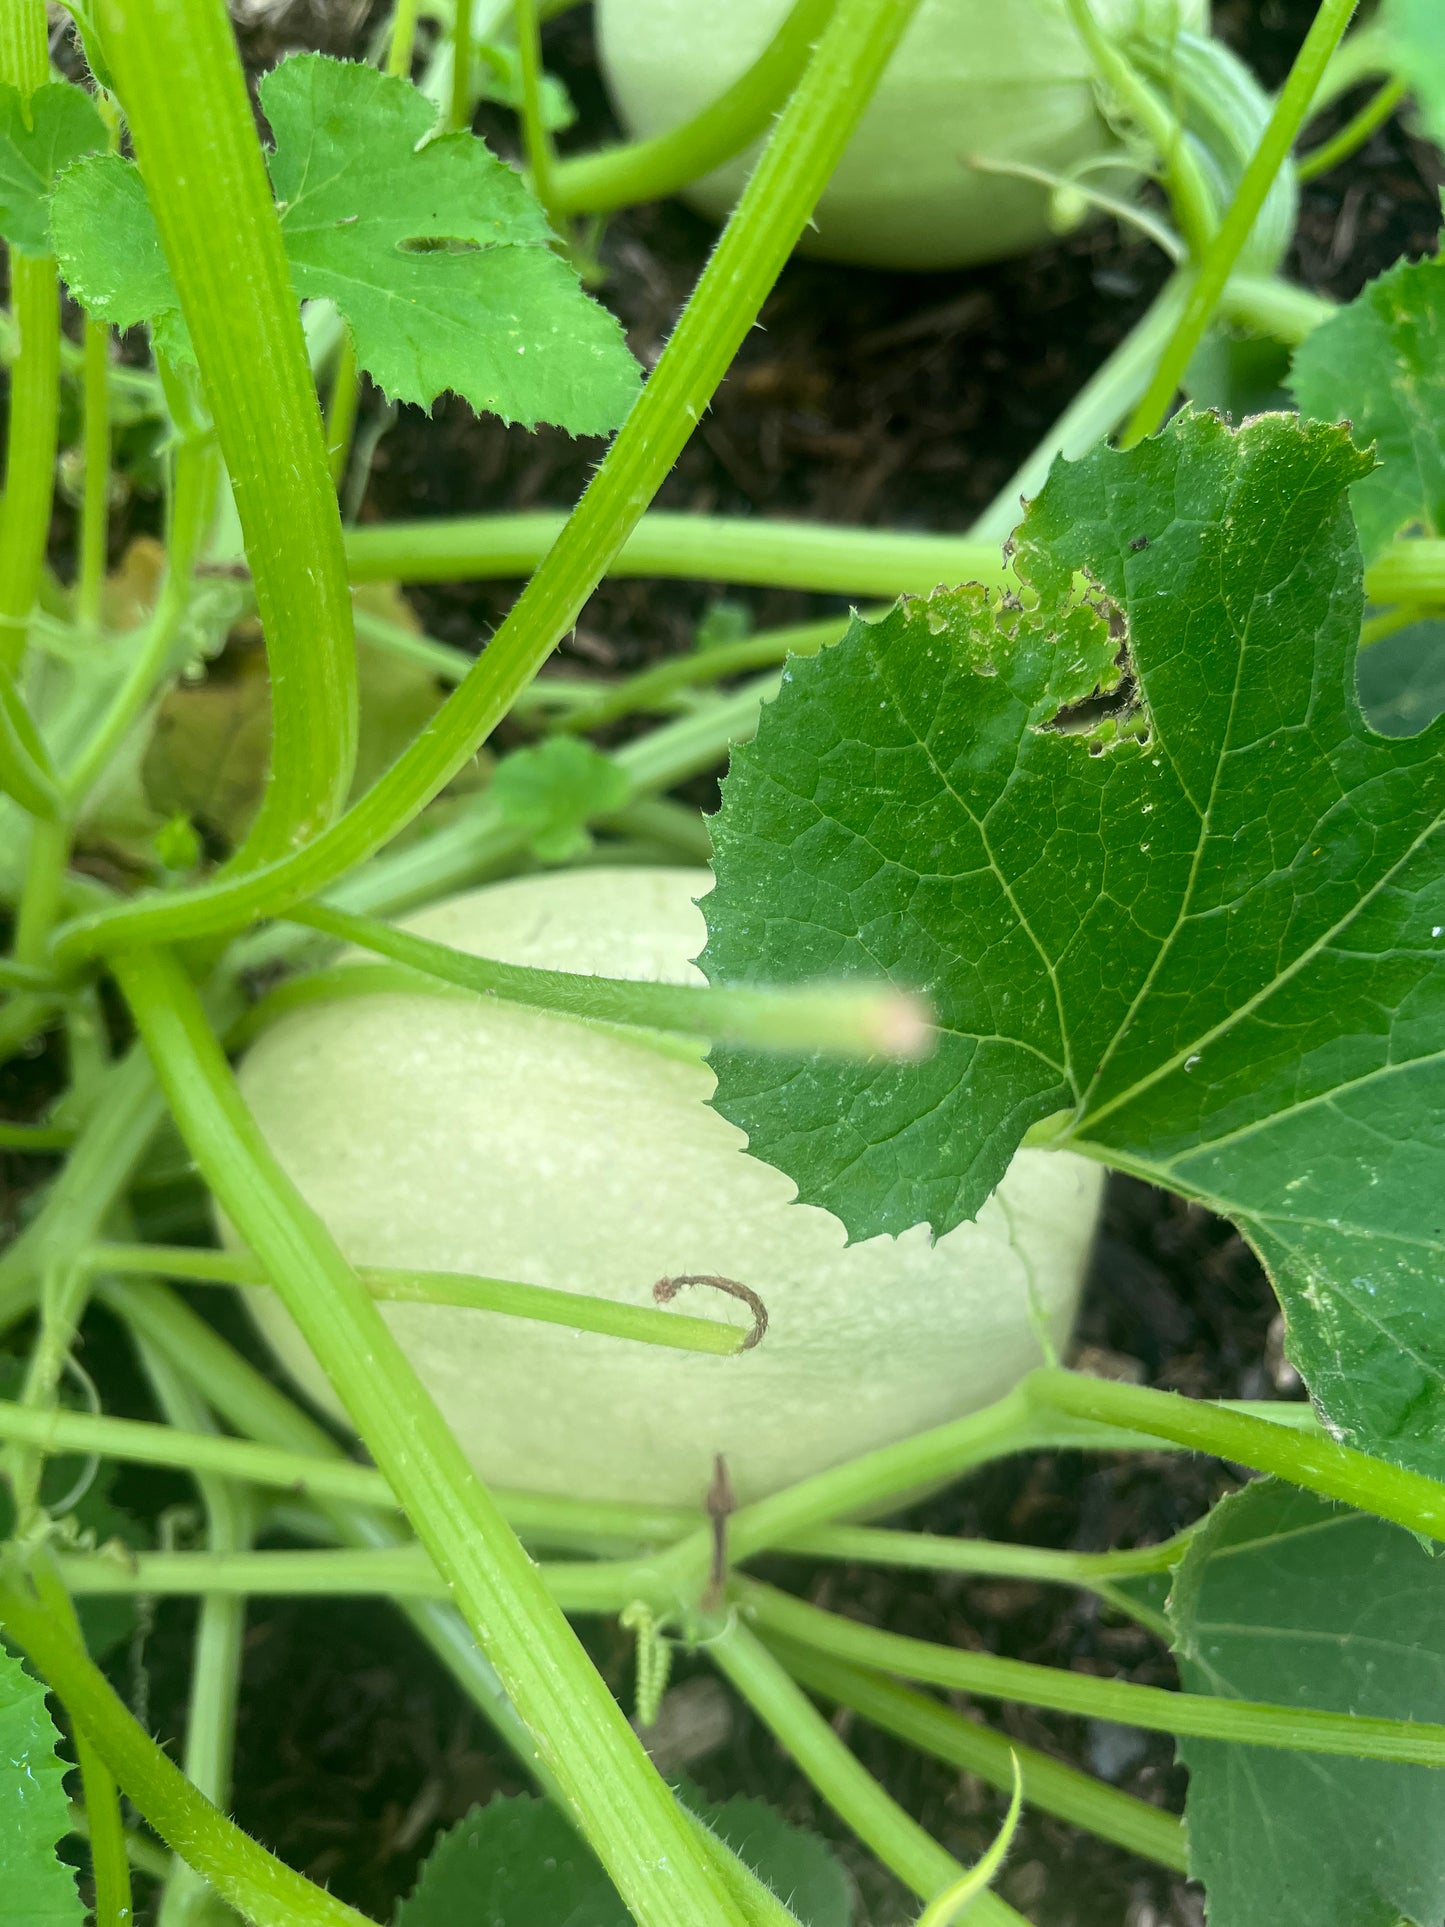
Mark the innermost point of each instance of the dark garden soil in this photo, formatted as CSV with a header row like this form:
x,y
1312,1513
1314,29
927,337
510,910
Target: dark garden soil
x,y
897,401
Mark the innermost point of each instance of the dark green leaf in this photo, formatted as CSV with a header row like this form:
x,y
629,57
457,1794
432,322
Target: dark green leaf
x,y
1380,365
1285,1597
514,1863
553,791
1201,936
39,137
517,1863
36,1890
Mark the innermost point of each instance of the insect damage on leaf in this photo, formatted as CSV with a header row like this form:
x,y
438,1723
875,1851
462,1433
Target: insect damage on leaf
x,y
1219,948
38,138
433,249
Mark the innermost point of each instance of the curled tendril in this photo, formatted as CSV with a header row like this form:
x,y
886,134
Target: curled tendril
x,y
666,1289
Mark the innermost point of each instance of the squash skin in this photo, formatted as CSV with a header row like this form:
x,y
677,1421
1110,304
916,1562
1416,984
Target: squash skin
x,y
1005,79
479,1136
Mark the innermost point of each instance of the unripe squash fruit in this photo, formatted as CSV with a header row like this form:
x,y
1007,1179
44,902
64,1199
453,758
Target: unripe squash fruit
x,y
1008,80
476,1136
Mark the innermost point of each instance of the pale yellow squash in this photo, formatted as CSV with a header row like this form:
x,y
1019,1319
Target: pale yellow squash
x,y
481,1137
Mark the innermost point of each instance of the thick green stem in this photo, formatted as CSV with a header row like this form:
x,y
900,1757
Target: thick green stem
x,y
44,888
1189,194
267,1892
647,170
110,1145
62,1301
1218,259
95,500
139,1442
536,139
758,239
260,1410
708,548
341,409
877,1819
1049,1785
216,1656
579,1729
1191,1715
30,445
185,100
1353,135
191,496
402,41
932,1552
459,109
888,1475
1411,572
1312,1461
109,1860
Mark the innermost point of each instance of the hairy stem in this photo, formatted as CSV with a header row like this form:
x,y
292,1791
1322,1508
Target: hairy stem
x,y
647,170
220,1631
1049,1785
261,1887
1218,259
797,162
185,100
1313,1461
880,1823
579,1730
1190,1715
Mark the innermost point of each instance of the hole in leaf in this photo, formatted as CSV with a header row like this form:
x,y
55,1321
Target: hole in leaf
x,y
1107,714
437,244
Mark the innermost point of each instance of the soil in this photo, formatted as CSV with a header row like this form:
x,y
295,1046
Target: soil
x,y
902,401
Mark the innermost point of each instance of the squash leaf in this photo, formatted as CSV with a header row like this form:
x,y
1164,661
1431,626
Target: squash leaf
x,y
36,1888
1380,365
517,1863
433,250
1174,902
1417,34
1286,1597
552,791
38,138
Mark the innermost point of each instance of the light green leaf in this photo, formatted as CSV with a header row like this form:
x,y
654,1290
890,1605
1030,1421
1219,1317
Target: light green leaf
x,y
497,75
38,139
433,250
553,790
1175,904
436,254
110,253
517,1863
1286,1597
1417,33
1379,364
36,1890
